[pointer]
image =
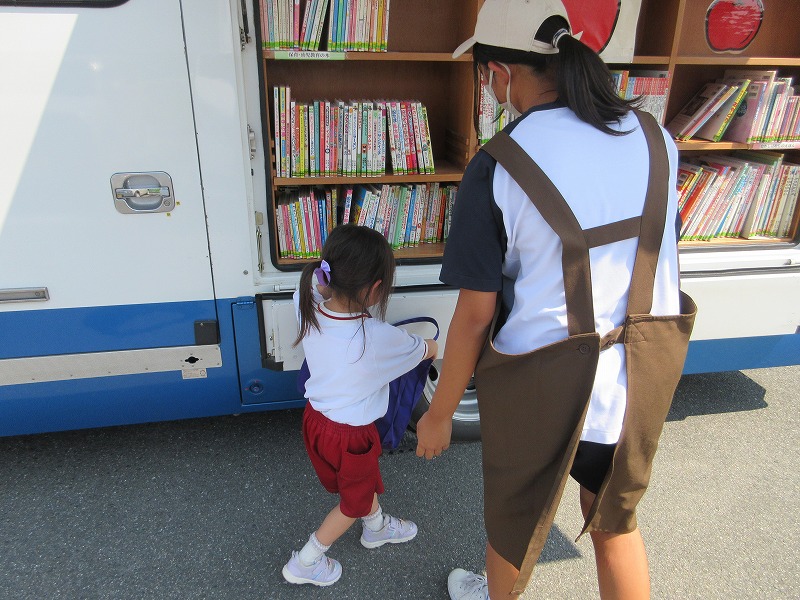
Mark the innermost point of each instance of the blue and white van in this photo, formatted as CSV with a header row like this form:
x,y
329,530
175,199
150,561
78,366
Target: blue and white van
x,y
135,284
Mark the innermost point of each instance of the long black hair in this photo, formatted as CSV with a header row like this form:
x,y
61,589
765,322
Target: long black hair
x,y
583,81
358,257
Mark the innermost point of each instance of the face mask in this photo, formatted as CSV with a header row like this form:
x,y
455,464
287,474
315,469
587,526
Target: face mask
x,y
507,106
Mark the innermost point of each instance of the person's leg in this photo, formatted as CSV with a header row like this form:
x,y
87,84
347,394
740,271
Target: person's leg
x,y
622,570
500,574
334,525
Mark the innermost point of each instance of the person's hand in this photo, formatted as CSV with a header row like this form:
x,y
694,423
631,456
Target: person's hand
x,y
433,435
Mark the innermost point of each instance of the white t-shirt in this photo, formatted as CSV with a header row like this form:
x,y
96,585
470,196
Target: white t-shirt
x,y
352,360
499,241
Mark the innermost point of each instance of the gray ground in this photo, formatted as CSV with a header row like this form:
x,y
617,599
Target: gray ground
x,y
211,508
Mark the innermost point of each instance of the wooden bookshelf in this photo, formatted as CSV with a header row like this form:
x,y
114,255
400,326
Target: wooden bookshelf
x,y
418,65
692,63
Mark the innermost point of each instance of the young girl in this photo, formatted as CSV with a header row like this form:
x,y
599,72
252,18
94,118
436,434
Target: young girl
x,y
352,356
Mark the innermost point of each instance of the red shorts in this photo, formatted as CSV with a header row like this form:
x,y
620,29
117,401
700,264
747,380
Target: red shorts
x,y
345,458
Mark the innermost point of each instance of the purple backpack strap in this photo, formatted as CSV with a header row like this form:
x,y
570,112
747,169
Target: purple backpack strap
x,y
404,393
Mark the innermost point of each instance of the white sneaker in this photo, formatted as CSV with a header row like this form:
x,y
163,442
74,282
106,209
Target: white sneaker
x,y
326,571
394,531
466,585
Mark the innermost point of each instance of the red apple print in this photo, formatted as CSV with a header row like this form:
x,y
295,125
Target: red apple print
x,y
595,18
732,24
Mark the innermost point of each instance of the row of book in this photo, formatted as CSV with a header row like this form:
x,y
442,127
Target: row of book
x,y
354,138
407,215
746,106
747,194
649,86
345,25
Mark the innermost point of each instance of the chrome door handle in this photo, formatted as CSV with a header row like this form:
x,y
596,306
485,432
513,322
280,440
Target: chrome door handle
x,y
146,192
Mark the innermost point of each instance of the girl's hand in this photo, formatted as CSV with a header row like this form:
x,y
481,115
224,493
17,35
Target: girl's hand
x,y
433,435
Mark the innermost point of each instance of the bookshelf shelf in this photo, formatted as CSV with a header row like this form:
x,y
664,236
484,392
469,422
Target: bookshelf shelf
x,y
737,61
650,60
694,145
739,243
718,146
444,173
421,252
365,56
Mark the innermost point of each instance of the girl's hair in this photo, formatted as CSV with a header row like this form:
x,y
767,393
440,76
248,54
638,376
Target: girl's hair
x,y
584,82
358,257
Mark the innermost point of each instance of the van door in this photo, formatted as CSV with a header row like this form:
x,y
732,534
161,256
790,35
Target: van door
x,y
103,241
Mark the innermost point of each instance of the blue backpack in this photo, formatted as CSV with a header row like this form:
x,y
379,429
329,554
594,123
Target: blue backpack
x,y
404,393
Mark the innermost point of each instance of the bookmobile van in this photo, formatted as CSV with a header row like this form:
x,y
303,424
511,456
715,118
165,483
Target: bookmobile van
x,y
137,277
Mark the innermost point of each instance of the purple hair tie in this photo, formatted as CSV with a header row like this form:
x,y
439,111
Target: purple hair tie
x,y
323,273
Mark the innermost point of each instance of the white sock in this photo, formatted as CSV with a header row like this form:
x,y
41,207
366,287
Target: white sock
x,y
374,522
312,550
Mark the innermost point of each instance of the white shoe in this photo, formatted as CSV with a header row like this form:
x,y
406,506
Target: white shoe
x,y
394,531
466,585
325,571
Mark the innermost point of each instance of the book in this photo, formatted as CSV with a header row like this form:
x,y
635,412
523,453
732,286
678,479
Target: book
x,y
649,87
784,226
768,77
714,128
743,121
771,162
699,109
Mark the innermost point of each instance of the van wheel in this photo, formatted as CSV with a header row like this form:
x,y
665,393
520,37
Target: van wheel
x,y
466,420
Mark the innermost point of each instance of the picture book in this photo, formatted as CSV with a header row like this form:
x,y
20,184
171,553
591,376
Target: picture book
x,y
714,128
699,109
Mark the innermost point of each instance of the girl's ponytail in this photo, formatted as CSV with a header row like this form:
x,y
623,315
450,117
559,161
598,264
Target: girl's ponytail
x,y
586,86
308,316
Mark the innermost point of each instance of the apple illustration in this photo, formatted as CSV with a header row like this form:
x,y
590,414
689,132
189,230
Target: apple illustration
x,y
595,18
732,24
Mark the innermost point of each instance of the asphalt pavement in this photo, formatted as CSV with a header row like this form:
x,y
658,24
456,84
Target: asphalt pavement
x,y
211,508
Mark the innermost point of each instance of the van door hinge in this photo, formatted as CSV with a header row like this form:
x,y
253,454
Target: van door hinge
x,y
259,241
251,140
244,27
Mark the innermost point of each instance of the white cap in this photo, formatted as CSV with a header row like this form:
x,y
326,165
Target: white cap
x,y
513,24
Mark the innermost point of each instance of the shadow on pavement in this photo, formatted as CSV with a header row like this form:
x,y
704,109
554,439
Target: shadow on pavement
x,y
716,393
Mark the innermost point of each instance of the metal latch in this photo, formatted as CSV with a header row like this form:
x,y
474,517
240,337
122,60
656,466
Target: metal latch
x,y
251,139
136,193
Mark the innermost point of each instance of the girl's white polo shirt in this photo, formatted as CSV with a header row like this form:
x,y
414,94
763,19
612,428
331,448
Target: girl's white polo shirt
x,y
499,241
352,359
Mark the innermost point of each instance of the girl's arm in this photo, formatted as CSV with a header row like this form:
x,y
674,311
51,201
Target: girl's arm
x,y
465,339
432,349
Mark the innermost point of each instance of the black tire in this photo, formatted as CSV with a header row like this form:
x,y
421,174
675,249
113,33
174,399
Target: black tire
x,y
466,420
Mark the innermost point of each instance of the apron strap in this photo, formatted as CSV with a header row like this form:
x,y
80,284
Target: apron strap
x,y
558,215
640,297
613,232
576,242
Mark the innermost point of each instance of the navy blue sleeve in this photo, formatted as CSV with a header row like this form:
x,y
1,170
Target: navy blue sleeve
x,y
476,244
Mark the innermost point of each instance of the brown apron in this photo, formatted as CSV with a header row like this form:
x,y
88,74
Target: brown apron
x,y
533,405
